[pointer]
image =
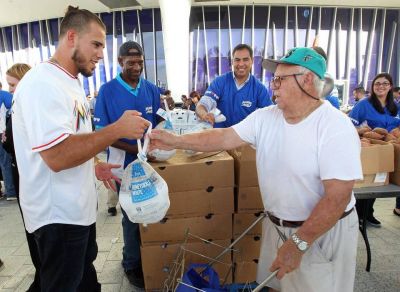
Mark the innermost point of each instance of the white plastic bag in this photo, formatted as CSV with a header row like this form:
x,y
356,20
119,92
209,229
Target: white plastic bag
x,y
159,154
144,193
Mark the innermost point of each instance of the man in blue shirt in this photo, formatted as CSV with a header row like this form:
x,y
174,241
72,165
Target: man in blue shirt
x,y
330,92
236,94
127,91
359,93
332,97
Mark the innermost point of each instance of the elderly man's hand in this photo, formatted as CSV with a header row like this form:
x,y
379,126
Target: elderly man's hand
x,y
208,117
161,139
287,260
103,173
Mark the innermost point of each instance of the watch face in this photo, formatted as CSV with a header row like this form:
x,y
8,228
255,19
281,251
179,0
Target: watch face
x,y
302,245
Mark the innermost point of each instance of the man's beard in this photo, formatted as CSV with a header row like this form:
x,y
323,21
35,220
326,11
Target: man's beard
x,y
80,63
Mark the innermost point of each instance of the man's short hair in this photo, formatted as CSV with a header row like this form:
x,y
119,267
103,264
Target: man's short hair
x,y
321,51
79,20
124,49
359,89
396,89
243,47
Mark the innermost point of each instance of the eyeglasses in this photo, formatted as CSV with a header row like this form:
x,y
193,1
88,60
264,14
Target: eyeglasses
x,y
384,84
276,81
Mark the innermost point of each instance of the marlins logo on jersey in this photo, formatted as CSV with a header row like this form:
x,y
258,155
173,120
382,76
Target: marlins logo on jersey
x,y
81,114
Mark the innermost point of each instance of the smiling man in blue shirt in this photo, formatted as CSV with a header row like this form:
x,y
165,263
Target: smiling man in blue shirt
x,y
236,94
128,91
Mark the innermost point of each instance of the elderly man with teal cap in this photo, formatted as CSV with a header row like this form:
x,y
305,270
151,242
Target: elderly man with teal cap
x,y
308,157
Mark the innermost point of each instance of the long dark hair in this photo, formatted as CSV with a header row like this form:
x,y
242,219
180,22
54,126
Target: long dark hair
x,y
390,104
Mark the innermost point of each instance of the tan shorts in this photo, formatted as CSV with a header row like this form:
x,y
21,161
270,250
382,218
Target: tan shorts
x,y
329,265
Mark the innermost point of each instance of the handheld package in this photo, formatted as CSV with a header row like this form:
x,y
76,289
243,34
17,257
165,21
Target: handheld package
x,y
144,193
159,154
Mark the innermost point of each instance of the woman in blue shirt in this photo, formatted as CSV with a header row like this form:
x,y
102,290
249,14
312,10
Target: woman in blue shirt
x,y
379,110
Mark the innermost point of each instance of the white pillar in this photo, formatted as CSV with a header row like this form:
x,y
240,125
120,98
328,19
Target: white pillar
x,y
175,26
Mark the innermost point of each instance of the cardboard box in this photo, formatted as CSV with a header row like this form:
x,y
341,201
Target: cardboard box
x,y
200,202
249,200
245,272
245,166
373,180
377,161
158,261
395,176
242,221
247,249
198,172
173,230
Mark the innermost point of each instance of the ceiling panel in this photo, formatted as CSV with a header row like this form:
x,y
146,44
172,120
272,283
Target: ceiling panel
x,y
22,11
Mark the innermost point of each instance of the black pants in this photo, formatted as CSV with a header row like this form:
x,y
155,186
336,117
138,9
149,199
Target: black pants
x,y
360,206
67,253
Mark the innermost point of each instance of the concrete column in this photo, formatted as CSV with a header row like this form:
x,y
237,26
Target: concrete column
x,y
175,24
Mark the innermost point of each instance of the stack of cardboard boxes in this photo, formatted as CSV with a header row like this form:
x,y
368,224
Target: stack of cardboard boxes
x,y
248,206
201,191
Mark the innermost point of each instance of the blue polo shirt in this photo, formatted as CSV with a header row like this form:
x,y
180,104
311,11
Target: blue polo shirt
x,y
236,103
363,111
117,96
6,98
332,97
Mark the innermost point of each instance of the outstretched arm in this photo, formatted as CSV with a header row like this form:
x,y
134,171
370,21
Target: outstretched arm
x,y
206,141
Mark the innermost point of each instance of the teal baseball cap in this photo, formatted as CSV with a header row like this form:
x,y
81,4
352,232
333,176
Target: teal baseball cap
x,y
300,56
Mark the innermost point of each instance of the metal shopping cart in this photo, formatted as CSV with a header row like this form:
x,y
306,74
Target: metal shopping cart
x,y
175,279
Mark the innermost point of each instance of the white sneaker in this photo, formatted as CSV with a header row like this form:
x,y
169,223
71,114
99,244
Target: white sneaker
x,y
13,198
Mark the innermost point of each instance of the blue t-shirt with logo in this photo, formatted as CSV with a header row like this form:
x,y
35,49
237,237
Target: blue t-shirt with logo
x,y
117,96
236,104
363,112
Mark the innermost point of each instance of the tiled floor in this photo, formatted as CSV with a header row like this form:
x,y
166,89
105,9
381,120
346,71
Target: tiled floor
x,y
17,273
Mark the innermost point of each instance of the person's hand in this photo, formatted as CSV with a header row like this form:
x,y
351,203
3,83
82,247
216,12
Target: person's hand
x,y
150,158
287,260
161,139
103,173
131,125
3,137
208,117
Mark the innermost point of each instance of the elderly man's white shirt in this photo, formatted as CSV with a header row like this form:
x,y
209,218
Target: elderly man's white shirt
x,y
294,159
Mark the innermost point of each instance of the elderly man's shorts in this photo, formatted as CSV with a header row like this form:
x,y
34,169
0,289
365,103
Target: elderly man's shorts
x,y
329,264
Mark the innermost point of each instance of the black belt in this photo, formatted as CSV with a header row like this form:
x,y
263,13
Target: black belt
x,y
294,224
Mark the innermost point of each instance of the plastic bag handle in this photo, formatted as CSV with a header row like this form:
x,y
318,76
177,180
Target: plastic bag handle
x,y
142,152
207,271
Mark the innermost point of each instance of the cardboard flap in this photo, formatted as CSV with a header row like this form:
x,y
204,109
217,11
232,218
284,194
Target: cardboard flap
x,y
244,153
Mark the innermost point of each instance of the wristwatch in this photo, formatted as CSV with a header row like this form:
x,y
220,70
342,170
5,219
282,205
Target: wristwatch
x,y
301,244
